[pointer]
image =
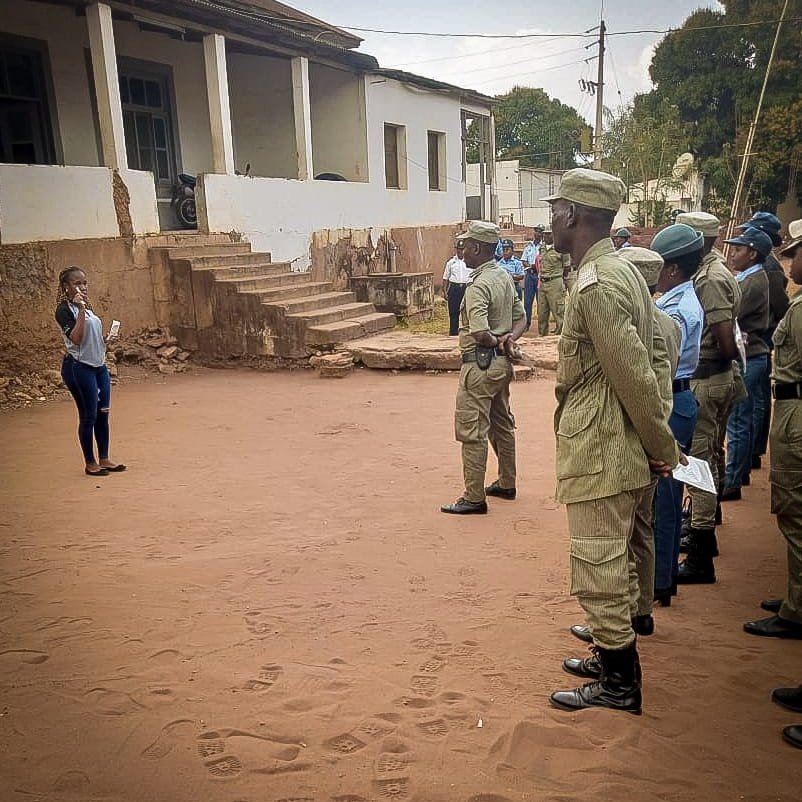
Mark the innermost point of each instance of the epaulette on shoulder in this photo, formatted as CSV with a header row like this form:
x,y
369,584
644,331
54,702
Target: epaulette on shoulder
x,y
587,276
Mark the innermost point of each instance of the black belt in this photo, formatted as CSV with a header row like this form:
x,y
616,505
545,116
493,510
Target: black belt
x,y
457,283
549,278
712,368
680,385
470,356
783,391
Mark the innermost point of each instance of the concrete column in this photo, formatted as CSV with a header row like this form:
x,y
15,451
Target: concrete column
x,y
491,160
214,58
302,111
107,85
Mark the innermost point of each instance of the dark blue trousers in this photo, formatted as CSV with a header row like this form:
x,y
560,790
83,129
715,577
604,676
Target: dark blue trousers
x,y
91,389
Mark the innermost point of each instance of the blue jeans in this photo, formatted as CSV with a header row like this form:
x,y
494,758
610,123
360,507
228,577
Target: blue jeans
x,y
455,295
530,295
745,421
91,389
668,497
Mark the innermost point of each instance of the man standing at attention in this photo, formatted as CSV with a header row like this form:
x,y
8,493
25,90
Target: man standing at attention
x,y
530,259
611,428
512,264
455,279
554,268
491,320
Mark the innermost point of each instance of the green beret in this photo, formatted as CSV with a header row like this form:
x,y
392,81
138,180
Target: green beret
x,y
622,233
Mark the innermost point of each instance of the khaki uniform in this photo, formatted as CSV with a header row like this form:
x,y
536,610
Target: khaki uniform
x,y
667,340
720,297
551,297
483,397
786,454
610,416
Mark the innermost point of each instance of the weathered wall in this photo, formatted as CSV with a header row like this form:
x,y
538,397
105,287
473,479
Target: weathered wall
x,y
341,254
339,131
407,295
260,92
120,287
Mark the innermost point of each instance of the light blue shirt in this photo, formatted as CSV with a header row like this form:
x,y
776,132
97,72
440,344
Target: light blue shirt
x,y
513,265
748,272
499,251
682,304
530,253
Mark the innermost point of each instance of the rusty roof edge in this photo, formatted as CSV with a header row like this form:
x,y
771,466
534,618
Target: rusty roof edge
x,y
438,86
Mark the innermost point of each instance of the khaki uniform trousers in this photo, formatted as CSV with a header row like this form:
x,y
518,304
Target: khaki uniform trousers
x,y
641,554
550,301
786,496
600,532
482,414
715,396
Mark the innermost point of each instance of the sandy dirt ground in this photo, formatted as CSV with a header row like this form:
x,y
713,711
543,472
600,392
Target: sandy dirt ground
x,y
269,606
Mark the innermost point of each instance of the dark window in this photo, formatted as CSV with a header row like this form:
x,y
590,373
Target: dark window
x,y
433,142
391,157
24,121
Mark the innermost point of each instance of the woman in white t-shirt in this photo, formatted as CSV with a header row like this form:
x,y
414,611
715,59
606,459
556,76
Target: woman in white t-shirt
x,y
84,369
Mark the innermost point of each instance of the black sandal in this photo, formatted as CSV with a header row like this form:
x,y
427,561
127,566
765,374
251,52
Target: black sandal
x,y
101,472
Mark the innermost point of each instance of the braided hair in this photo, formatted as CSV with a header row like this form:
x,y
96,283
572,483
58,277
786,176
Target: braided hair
x,y
62,281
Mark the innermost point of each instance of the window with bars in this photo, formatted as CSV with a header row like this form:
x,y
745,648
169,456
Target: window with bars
x,y
436,144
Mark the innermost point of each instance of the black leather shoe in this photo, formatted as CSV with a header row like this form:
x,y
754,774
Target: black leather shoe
x,y
790,698
692,572
793,735
746,481
756,464
662,596
643,625
686,541
589,667
774,627
463,507
496,490
731,494
583,633
771,605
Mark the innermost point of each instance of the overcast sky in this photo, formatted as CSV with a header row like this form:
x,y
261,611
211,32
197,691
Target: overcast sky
x,y
493,66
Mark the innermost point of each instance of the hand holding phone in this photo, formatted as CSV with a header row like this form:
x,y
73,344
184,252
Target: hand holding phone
x,y
114,331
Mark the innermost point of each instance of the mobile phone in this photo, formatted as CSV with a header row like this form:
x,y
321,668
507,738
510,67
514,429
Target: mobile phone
x,y
114,331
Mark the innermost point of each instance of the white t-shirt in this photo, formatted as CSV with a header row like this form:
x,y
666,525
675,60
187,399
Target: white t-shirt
x,y
456,272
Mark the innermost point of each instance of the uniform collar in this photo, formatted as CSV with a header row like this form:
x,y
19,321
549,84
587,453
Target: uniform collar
x,y
680,289
750,271
601,248
477,270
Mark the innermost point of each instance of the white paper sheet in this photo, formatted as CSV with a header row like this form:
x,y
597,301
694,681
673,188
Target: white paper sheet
x,y
696,473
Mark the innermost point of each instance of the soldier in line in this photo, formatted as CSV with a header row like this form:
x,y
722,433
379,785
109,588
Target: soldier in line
x,y
491,320
611,435
714,386
554,268
786,458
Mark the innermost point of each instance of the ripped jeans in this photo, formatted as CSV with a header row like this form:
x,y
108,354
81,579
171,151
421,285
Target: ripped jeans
x,y
91,389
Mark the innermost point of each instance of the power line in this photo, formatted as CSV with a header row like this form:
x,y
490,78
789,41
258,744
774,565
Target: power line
x,y
528,60
535,72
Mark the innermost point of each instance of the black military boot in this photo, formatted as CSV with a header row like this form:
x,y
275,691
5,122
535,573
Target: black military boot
x,y
697,569
687,539
591,667
618,687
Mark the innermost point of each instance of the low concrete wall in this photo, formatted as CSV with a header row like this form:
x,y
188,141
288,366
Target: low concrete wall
x,y
409,296
281,215
120,287
41,203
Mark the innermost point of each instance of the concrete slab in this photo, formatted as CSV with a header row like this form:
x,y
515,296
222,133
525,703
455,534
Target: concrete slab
x,y
398,350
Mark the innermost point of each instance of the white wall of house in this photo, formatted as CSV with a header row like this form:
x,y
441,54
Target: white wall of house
x,y
260,91
281,215
339,133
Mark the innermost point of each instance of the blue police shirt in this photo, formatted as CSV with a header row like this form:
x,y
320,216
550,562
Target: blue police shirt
x,y
530,253
682,304
513,266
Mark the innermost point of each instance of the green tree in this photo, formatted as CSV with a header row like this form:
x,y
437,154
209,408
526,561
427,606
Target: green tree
x,y
538,130
712,70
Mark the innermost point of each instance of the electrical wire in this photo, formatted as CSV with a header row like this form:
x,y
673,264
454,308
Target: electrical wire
x,y
535,72
528,60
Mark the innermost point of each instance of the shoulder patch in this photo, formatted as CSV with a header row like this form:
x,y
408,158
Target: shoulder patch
x,y
587,276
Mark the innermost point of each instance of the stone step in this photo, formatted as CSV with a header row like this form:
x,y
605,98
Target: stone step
x,y
280,281
180,238
296,291
345,330
205,261
191,251
313,303
244,275
331,314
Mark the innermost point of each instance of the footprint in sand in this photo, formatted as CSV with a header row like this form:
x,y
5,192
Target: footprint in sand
x,y
107,702
432,665
223,751
168,737
436,728
261,623
424,684
30,656
268,676
391,776
345,744
489,798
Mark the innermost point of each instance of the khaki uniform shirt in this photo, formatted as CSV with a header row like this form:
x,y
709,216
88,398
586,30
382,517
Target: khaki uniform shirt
x,y
672,334
720,297
611,410
753,314
490,304
788,344
552,263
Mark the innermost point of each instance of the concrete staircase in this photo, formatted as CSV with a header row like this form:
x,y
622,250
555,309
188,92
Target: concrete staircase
x,y
221,299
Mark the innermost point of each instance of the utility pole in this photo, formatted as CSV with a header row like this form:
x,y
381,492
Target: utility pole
x,y
597,138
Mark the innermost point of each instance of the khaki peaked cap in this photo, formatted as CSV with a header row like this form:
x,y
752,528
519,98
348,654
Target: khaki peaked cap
x,y
795,234
705,222
481,231
648,262
591,188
